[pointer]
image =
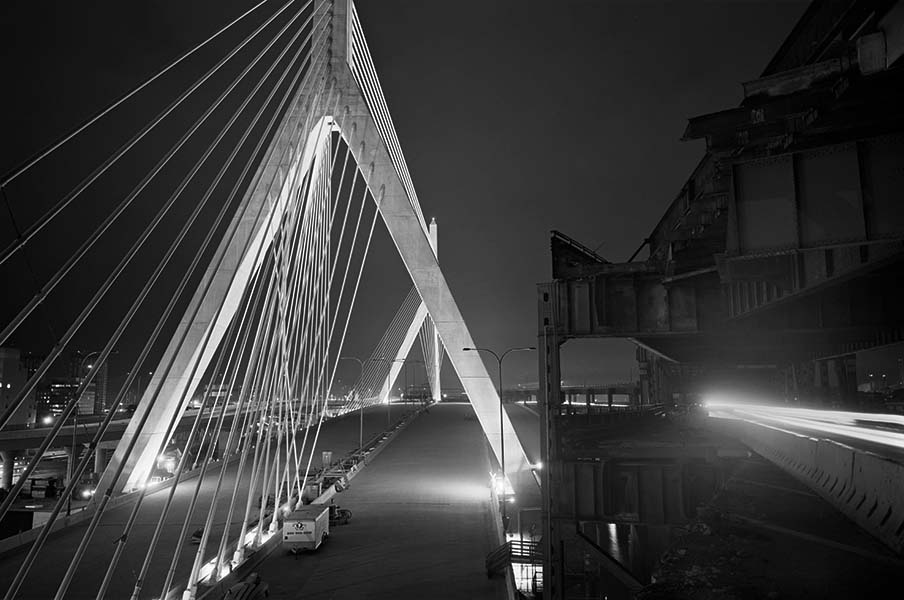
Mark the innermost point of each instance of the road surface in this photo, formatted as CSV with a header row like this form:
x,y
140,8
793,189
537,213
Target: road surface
x,y
421,525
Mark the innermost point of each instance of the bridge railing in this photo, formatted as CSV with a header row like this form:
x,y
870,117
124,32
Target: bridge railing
x,y
868,488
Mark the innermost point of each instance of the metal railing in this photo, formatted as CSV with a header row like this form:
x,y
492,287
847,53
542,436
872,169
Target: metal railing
x,y
525,558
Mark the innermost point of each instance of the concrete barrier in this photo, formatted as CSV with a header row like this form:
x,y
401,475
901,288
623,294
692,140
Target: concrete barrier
x,y
879,485
865,487
835,464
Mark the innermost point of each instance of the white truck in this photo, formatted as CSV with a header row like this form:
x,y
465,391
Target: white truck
x,y
306,528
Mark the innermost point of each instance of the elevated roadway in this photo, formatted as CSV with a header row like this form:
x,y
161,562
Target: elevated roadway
x,y
881,434
84,431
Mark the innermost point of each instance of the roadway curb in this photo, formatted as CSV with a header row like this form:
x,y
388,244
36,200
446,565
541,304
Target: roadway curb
x,y
256,557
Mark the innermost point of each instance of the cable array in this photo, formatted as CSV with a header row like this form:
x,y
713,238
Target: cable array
x,y
260,412
240,442
432,351
362,67
373,385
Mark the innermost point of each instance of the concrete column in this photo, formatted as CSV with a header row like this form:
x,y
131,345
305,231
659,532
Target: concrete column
x,y
395,367
72,452
100,461
437,358
9,462
550,398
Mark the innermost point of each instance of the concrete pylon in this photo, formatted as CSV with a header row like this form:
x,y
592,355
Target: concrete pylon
x,y
420,317
9,464
437,358
395,367
386,176
237,259
342,78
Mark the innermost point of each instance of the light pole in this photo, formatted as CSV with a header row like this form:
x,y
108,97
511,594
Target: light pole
x,y
73,452
70,465
81,371
360,408
389,395
499,360
413,382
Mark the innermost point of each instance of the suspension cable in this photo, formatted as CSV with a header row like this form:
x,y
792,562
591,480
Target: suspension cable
x,y
46,151
229,236
33,229
61,344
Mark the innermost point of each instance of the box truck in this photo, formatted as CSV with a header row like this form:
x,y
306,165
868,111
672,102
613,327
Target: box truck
x,y
306,528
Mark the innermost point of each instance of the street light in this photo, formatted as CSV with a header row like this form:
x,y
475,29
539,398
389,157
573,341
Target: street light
x,y
389,395
70,464
73,452
499,360
361,408
413,383
82,370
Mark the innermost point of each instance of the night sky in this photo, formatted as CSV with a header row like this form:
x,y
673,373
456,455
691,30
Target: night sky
x,y
515,118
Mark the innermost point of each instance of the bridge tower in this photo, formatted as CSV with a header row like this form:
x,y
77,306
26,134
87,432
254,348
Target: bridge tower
x,y
342,95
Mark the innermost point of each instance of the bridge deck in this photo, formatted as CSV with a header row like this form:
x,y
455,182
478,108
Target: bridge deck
x,y
340,436
421,526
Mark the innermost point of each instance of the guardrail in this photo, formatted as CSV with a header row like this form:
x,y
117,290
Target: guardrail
x,y
867,488
512,552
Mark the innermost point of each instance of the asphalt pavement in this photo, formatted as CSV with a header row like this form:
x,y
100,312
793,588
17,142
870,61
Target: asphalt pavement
x,y
421,524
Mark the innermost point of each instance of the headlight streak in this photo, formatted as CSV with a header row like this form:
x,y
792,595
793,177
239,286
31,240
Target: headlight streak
x,y
854,425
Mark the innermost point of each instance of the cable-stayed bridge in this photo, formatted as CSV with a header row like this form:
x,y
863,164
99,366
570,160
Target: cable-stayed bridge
x,y
247,241
239,234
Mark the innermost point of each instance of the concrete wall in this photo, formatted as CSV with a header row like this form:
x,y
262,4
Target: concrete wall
x,y
868,488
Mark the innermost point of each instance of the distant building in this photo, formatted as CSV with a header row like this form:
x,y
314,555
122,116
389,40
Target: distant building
x,y
53,399
217,392
12,379
80,366
101,381
30,363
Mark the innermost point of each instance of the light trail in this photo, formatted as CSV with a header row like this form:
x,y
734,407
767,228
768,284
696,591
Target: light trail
x,y
876,428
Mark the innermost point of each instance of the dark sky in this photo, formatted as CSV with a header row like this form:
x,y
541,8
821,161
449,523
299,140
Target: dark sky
x,y
515,117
